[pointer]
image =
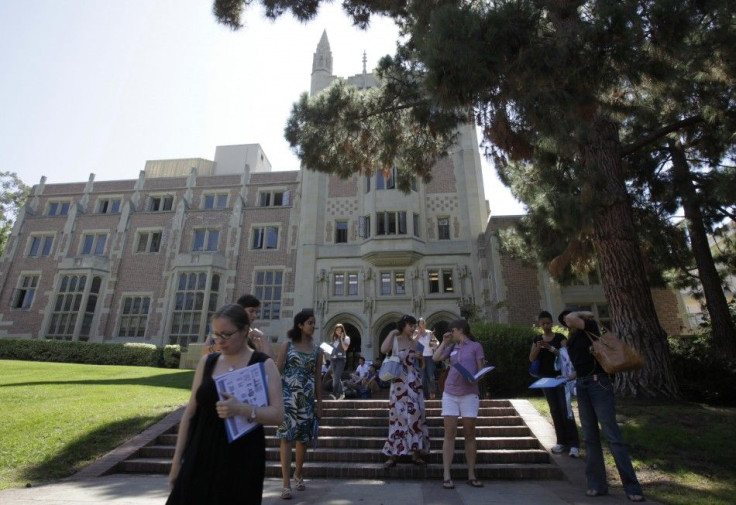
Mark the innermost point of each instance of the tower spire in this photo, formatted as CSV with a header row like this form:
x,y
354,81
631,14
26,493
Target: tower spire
x,y
321,65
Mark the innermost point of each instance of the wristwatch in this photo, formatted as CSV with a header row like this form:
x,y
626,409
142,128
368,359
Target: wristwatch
x,y
252,416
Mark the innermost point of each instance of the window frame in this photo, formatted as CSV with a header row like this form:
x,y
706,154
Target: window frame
x,y
58,208
21,299
393,283
94,246
217,202
442,286
109,205
139,318
341,234
149,234
443,231
261,235
158,202
43,248
266,292
207,235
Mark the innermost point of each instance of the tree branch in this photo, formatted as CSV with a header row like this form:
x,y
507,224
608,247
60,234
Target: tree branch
x,y
660,133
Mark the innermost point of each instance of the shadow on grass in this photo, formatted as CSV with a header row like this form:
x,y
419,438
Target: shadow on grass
x,y
83,451
180,380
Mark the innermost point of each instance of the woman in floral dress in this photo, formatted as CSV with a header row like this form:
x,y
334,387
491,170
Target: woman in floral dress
x,y
300,364
407,429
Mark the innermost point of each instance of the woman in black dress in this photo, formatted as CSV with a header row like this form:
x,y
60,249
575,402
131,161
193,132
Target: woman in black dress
x,y
206,468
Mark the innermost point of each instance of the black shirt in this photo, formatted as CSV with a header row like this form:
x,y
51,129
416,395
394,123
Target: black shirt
x,y
578,347
547,358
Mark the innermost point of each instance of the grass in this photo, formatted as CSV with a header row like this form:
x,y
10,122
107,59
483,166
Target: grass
x,y
58,417
683,452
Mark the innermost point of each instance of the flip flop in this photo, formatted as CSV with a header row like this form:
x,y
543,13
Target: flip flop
x,y
474,483
448,484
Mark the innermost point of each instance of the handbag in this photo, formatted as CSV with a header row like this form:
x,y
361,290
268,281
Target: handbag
x,y
391,366
614,354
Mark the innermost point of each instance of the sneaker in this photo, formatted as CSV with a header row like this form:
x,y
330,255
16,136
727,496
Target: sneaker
x,y
341,397
574,452
332,396
558,449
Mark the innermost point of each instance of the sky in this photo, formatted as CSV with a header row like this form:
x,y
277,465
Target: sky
x,y
101,86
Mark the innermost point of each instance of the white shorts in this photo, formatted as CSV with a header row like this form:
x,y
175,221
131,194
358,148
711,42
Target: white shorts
x,y
460,406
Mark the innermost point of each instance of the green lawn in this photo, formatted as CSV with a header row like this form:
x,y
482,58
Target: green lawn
x,y
683,453
57,417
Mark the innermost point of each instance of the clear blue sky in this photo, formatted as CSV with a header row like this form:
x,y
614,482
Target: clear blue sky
x,y
101,86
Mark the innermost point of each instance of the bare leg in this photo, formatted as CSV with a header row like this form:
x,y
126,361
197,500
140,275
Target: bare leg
x,y
448,445
285,453
301,455
470,450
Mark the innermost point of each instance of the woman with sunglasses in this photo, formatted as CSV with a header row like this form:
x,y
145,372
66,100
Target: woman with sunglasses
x,y
300,362
206,467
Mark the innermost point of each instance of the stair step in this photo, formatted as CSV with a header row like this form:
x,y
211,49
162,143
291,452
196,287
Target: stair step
x,y
435,432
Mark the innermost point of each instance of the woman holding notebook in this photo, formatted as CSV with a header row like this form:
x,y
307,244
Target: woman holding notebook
x,y
460,397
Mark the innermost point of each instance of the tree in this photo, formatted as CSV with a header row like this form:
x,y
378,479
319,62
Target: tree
x,y
549,83
13,194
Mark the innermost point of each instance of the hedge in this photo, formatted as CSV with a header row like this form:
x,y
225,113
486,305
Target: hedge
x,y
94,353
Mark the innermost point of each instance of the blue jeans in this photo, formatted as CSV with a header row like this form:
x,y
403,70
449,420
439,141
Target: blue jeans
x,y
596,405
428,377
338,366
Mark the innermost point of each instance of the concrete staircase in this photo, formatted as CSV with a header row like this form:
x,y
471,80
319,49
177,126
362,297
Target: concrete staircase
x,y
352,434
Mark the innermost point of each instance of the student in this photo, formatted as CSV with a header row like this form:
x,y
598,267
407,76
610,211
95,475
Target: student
x,y
597,405
258,340
340,343
545,348
207,468
461,397
300,363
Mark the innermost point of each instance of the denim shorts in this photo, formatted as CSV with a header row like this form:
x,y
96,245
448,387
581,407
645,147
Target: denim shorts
x,y
460,406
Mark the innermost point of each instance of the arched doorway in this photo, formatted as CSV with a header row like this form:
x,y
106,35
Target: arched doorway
x,y
355,348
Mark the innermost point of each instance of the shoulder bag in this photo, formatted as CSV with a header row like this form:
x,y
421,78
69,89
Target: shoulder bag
x,y
614,354
391,366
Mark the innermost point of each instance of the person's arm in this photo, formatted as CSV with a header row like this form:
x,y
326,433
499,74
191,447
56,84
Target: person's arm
x,y
577,319
345,342
388,342
421,360
260,342
440,353
534,352
281,360
191,408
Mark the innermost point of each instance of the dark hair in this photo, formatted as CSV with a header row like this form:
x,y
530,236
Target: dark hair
x,y
235,314
544,314
463,325
247,301
405,319
295,333
361,358
334,330
561,317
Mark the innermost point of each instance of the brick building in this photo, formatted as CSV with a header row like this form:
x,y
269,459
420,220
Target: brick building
x,y
149,259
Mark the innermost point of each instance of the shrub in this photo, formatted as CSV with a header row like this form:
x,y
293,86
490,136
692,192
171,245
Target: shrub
x,y
507,348
95,353
702,375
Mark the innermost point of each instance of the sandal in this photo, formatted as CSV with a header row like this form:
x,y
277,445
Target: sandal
x,y
390,462
286,493
300,486
474,483
594,492
635,497
448,484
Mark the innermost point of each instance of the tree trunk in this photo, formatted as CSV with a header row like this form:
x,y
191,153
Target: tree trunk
x,y
622,268
722,326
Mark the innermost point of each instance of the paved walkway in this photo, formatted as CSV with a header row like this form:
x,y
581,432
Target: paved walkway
x,y
85,488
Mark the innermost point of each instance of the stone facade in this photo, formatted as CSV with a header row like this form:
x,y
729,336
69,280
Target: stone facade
x,y
150,259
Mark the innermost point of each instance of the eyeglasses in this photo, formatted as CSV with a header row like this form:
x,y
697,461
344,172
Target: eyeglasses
x,y
224,336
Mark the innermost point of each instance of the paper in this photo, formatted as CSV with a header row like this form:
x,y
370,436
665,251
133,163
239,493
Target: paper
x,y
548,382
249,385
472,378
326,348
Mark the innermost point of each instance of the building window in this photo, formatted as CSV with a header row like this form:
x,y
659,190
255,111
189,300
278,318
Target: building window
x,y
265,237
345,284
391,223
267,289
215,201
41,245
273,198
393,283
25,292
383,182
364,226
205,239
368,183
58,208
74,299
134,316
443,228
148,242
440,280
161,203
108,206
341,232
94,244
194,304
415,224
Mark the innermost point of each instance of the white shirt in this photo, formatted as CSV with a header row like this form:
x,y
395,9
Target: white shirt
x,y
362,370
425,339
